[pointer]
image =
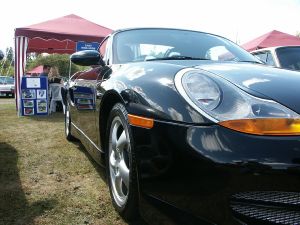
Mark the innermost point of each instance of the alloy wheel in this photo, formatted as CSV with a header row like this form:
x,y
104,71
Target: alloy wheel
x,y
119,148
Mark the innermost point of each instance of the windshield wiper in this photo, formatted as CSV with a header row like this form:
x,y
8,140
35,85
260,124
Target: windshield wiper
x,y
177,57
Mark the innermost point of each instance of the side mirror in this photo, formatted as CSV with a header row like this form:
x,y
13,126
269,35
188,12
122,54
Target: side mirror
x,y
1,55
87,58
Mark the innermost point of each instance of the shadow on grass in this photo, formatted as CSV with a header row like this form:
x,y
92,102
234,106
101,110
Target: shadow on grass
x,y
102,172
14,208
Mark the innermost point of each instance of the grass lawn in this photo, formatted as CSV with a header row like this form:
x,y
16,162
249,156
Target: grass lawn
x,y
45,179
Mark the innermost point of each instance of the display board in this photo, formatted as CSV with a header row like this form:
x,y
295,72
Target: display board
x,y
34,96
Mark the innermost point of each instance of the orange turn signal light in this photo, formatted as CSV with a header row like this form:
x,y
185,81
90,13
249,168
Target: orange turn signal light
x,y
140,121
265,126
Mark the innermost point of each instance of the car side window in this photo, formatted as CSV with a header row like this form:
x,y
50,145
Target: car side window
x,y
269,59
103,48
262,56
106,55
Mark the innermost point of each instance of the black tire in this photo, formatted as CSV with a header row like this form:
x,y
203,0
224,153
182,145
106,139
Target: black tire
x,y
128,210
68,126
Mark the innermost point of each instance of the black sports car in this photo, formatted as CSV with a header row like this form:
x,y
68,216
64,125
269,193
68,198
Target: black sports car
x,y
191,128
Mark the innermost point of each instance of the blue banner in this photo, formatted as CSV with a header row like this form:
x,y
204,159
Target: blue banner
x,y
82,45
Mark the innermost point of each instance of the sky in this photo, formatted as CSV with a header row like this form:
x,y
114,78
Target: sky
x,y
238,20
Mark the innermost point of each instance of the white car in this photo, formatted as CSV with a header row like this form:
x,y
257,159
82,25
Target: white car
x,y
7,86
287,57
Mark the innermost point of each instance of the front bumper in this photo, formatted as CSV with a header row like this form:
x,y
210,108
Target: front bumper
x,y
212,174
7,93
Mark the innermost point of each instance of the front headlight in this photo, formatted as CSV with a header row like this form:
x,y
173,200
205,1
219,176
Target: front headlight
x,y
202,90
231,107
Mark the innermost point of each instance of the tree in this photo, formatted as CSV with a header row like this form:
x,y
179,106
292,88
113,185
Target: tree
x,y
7,64
10,54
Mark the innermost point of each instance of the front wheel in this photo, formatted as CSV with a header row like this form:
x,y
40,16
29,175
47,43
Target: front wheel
x,y
68,133
120,161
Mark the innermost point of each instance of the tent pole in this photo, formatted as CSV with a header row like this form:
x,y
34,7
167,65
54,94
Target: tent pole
x,y
21,45
70,64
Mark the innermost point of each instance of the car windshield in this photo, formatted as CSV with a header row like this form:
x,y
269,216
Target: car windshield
x,y
6,80
154,44
10,80
289,57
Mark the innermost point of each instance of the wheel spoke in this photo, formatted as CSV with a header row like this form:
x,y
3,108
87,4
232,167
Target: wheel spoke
x,y
118,185
124,173
122,141
112,175
112,159
114,136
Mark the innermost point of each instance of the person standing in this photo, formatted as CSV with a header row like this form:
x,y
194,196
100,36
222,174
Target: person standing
x,y
55,86
46,69
54,76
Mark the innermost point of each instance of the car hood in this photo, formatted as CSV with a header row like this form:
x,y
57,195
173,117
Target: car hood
x,y
280,85
5,87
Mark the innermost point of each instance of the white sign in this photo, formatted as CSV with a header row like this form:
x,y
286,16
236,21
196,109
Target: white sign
x,y
33,83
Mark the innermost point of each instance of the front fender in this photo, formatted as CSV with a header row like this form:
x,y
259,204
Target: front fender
x,y
148,90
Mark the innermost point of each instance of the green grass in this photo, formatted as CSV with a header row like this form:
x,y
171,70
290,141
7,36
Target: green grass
x,y
45,179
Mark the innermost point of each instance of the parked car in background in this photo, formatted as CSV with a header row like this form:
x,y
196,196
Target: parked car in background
x,y
7,86
287,57
191,128
1,55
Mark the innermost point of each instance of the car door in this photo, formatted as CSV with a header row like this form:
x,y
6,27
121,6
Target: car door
x,y
106,54
84,96
71,104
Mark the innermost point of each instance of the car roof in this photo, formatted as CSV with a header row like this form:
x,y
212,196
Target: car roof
x,y
6,77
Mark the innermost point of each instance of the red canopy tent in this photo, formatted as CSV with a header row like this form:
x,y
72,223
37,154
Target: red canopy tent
x,y
272,39
54,36
35,70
